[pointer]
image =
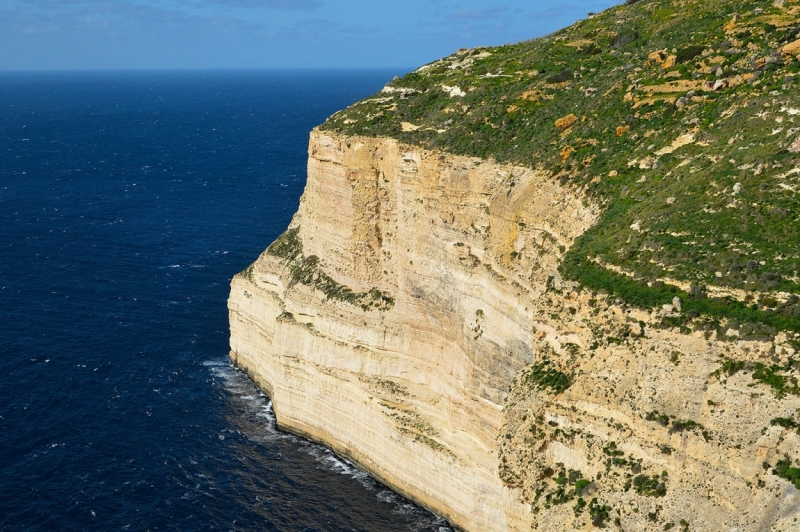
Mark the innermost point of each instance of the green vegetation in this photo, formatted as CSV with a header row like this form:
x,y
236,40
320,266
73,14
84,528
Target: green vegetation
x,y
730,367
650,485
642,484
720,209
787,423
545,377
599,513
784,470
656,294
287,246
780,384
775,375
581,485
677,426
307,271
690,52
662,419
568,485
688,425
247,273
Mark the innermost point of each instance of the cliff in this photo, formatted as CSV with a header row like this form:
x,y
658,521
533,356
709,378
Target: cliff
x,y
524,339
397,345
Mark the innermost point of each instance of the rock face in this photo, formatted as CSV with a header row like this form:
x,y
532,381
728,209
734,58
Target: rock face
x,y
411,390
412,320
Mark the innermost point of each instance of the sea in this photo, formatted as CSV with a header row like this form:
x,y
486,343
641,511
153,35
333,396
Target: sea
x,y
128,200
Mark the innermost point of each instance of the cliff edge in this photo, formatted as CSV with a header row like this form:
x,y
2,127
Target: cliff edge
x,y
496,298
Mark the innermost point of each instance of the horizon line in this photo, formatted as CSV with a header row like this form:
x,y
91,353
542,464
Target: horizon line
x,y
199,69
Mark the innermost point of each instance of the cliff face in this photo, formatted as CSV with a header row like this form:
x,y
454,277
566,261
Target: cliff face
x,y
392,321
609,340
411,319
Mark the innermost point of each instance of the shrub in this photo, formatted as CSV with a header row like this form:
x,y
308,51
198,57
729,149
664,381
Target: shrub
x,y
690,52
784,422
599,513
624,39
581,485
780,384
287,246
561,77
784,470
650,486
544,376
730,367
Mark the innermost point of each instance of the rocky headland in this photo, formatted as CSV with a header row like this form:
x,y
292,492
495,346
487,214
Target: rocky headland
x,y
553,285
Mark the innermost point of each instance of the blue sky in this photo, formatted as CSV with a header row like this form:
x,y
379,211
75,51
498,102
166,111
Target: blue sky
x,y
125,34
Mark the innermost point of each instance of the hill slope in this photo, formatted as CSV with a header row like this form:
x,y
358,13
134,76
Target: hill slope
x,y
553,285
681,117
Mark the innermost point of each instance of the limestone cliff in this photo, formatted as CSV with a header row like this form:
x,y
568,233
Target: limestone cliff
x,y
409,383
404,319
554,285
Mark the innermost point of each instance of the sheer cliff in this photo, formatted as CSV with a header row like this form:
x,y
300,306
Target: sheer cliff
x,y
553,285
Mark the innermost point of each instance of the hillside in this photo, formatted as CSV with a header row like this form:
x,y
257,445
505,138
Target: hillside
x,y
681,117
553,285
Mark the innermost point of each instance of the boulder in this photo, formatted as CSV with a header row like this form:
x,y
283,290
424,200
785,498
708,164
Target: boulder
x,y
658,57
792,49
566,121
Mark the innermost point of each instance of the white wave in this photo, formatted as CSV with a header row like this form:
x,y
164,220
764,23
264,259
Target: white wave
x,y
260,405
243,389
386,496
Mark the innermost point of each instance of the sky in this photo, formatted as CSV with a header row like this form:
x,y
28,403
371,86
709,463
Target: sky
x,y
207,34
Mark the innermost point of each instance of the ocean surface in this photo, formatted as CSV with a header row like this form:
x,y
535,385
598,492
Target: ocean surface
x,y
127,202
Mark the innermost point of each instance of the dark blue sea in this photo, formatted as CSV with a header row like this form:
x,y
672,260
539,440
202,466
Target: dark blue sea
x,y
127,203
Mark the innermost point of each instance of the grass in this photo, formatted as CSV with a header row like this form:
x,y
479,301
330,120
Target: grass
x,y
720,211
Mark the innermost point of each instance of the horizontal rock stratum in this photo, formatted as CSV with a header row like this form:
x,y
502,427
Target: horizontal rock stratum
x,y
413,383
411,387
600,332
